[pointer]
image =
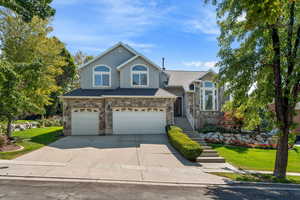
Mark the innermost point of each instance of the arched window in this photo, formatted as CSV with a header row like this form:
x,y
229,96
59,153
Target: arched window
x,y
192,87
102,76
139,76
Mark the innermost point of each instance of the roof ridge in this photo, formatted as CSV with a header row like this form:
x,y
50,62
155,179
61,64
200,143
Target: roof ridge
x,y
185,71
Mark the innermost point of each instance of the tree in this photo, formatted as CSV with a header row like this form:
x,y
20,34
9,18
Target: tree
x,y
31,61
14,87
248,115
259,48
30,8
80,58
64,81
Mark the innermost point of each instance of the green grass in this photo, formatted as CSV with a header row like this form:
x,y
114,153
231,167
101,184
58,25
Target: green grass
x,y
22,121
33,139
256,159
258,178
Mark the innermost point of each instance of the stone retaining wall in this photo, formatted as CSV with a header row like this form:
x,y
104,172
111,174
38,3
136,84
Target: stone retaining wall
x,y
22,127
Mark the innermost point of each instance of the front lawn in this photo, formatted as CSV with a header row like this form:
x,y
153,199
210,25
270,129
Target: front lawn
x,y
33,139
256,159
258,178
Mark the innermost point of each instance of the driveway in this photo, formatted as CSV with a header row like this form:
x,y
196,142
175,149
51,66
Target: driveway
x,y
122,157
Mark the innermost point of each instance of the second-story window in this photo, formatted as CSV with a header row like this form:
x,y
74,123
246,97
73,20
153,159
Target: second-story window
x,y
102,76
139,76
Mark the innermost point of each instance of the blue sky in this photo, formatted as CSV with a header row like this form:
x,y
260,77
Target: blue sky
x,y
184,32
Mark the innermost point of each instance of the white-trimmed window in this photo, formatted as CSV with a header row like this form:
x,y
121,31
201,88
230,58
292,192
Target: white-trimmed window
x,y
208,96
102,76
139,76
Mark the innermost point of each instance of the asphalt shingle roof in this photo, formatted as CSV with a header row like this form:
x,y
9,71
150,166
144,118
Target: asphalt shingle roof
x,y
155,92
183,78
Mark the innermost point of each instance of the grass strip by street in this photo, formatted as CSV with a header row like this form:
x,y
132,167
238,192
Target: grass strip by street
x,y
33,139
267,178
256,159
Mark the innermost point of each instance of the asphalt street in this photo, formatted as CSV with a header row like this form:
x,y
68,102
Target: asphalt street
x,y
42,190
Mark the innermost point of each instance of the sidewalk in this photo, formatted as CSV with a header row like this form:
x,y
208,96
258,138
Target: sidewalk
x,y
109,172
227,168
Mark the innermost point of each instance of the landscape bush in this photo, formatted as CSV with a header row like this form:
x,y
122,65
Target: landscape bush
x,y
209,128
182,143
50,122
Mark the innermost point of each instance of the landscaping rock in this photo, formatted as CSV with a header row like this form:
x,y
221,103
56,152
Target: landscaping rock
x,y
264,140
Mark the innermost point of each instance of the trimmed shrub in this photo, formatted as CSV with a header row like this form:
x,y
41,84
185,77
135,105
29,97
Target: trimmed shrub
x,y
182,143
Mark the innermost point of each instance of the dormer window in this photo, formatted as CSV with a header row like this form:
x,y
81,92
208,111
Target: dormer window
x,y
102,76
139,76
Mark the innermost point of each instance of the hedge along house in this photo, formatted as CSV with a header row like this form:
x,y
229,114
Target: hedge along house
x,y
123,92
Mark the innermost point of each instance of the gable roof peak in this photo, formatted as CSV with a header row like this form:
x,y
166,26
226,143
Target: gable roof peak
x,y
119,44
127,47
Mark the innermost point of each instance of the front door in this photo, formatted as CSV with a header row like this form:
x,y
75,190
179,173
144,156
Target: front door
x,y
178,107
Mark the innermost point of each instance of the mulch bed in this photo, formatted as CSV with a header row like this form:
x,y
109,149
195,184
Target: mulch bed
x,y
10,147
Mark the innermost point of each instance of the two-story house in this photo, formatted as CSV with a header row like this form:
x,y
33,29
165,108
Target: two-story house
x,y
123,92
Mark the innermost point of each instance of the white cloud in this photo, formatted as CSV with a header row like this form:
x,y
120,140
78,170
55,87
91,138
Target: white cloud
x,y
110,21
204,64
131,16
204,22
142,46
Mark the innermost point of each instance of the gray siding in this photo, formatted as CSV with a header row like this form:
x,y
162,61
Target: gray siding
x,y
125,74
112,59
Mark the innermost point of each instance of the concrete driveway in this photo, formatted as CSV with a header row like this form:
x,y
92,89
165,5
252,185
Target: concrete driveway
x,y
122,157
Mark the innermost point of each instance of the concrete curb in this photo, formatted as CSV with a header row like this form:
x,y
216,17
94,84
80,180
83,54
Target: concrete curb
x,y
65,179
247,172
230,184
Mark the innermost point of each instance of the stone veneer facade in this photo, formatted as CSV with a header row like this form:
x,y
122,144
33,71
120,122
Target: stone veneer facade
x,y
203,117
106,105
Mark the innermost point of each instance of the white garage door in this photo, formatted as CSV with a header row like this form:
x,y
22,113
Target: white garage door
x,y
85,122
129,122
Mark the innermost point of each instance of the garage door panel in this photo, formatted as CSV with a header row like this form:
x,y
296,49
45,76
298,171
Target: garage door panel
x,y
85,123
139,122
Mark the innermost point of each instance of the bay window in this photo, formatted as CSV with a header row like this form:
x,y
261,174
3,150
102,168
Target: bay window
x,y
208,96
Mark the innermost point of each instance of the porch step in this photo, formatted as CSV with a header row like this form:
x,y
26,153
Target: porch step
x,y
184,124
210,160
210,151
209,154
206,147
